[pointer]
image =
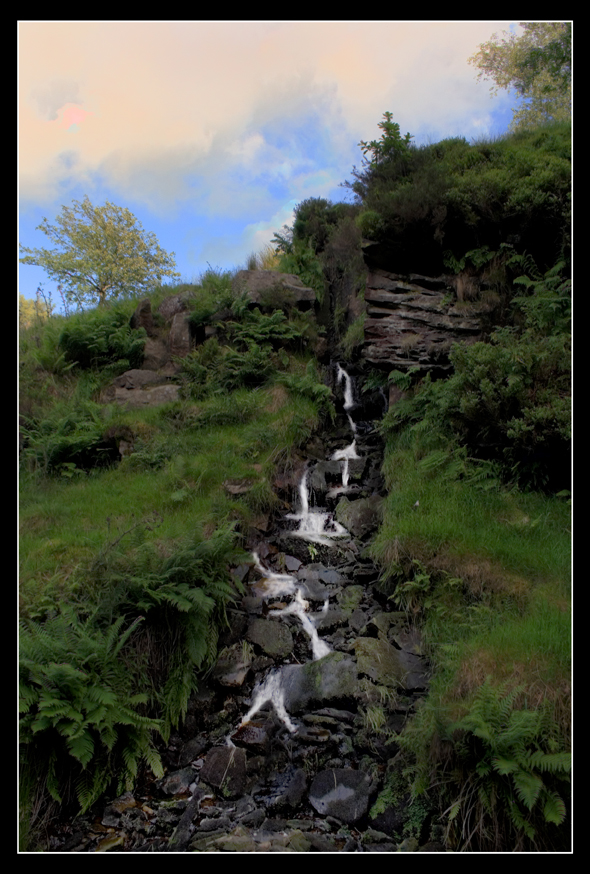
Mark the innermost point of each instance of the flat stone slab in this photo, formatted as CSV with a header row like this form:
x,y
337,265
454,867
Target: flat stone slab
x,y
138,397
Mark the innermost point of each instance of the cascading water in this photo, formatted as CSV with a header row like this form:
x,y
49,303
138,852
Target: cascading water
x,y
316,526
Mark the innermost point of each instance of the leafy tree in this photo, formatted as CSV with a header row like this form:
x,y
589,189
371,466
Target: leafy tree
x,y
537,65
31,311
102,252
391,144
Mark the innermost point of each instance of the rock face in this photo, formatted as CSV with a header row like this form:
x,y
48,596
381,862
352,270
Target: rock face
x,y
140,388
143,318
267,286
413,321
180,336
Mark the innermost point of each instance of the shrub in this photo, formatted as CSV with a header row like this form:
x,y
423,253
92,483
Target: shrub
x,y
100,337
309,386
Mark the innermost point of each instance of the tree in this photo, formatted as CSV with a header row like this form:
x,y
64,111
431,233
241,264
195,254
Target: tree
x,y
537,65
391,144
102,253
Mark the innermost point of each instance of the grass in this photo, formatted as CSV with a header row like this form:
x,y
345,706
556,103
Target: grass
x,y
484,570
186,453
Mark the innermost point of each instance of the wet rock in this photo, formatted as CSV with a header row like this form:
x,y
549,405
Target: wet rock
x,y
342,793
332,618
272,637
178,782
314,735
313,590
114,810
298,842
233,666
350,598
192,749
360,517
254,735
409,639
225,769
241,572
185,828
287,789
358,620
292,564
388,666
333,677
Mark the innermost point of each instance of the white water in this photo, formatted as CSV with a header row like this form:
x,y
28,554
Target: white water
x,y
345,455
316,526
343,375
271,688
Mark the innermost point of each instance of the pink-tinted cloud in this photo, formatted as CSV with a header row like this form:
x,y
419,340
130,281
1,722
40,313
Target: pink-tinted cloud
x,y
70,114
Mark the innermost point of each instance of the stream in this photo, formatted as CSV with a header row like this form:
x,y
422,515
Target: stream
x,y
290,744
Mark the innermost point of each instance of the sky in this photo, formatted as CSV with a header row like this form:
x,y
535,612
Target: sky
x,y
211,132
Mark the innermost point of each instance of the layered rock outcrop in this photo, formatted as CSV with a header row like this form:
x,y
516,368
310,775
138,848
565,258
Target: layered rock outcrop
x,y
414,320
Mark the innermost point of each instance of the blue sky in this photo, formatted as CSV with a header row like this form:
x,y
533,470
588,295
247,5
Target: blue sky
x,y
212,132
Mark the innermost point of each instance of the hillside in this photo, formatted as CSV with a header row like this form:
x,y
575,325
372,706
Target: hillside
x,y
341,483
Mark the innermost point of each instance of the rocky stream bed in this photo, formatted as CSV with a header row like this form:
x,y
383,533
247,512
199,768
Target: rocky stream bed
x,y
290,744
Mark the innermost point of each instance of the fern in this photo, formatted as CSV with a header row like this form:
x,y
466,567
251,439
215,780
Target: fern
x,y
505,765
77,707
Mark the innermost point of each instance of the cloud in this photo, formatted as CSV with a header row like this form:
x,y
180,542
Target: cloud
x,y
50,97
230,115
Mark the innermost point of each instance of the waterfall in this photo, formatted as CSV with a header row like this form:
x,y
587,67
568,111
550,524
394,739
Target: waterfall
x,y
341,374
316,526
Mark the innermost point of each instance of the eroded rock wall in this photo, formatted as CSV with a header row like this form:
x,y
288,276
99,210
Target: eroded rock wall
x,y
414,320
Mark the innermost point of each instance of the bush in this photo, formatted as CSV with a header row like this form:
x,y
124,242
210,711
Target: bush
x,y
100,337
462,197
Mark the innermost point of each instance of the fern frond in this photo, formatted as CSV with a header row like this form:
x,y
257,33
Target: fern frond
x,y
520,822
552,762
528,787
554,809
81,747
504,766
152,758
90,785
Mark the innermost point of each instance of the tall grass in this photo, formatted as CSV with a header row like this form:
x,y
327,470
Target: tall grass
x,y
484,571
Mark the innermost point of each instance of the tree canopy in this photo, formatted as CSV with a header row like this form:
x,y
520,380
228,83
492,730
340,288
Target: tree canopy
x,y
103,252
537,65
